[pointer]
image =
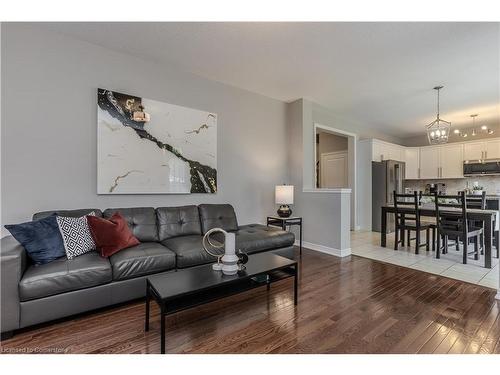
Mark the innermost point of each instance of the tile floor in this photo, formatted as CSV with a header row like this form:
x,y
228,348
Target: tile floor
x,y
367,245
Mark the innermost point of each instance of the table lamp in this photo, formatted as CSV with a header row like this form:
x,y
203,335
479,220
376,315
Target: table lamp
x,y
284,197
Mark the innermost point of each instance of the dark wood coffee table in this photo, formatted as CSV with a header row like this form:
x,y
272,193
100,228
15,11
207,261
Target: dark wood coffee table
x,y
195,286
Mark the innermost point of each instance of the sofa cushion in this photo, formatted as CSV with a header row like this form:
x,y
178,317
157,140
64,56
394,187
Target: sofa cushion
x,y
41,239
63,275
76,235
141,220
217,216
111,235
68,213
189,250
144,259
253,238
178,221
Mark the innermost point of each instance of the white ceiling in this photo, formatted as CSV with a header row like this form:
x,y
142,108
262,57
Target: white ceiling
x,y
379,74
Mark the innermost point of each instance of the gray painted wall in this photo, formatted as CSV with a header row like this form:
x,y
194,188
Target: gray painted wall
x,y
364,175
326,216
49,84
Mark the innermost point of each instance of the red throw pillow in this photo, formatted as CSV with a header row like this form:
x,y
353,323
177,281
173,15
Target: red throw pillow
x,y
111,235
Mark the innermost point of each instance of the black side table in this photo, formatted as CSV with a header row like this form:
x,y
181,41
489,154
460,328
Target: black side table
x,y
283,222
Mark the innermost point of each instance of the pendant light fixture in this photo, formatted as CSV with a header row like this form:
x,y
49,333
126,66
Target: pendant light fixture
x,y
474,132
473,124
438,130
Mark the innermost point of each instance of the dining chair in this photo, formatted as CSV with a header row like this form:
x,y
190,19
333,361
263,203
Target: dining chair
x,y
452,223
408,222
422,197
478,202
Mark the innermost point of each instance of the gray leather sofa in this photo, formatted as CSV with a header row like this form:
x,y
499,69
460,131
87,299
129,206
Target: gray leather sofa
x,y
171,239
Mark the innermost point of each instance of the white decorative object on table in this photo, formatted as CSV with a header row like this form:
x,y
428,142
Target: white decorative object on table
x,y
229,260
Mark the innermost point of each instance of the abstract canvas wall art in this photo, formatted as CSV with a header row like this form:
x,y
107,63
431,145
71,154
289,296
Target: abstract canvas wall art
x,y
174,152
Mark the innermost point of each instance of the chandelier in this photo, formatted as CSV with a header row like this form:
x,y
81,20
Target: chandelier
x,y
439,129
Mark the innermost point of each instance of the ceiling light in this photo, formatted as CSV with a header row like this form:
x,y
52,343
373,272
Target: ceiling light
x,y
490,131
484,127
465,135
456,131
438,130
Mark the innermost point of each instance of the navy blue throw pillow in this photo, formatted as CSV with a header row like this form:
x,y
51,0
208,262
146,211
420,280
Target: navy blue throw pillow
x,y
41,239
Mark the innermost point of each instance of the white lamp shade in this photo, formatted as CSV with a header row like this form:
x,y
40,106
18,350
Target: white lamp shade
x,y
284,194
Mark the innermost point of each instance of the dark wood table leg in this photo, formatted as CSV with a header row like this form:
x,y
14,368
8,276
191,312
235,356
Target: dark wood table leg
x,y
438,244
497,245
488,234
146,325
383,229
162,337
295,285
300,236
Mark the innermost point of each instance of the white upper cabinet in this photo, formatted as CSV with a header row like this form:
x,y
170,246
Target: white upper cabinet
x,y
434,162
451,161
473,150
492,149
479,150
412,161
386,151
429,162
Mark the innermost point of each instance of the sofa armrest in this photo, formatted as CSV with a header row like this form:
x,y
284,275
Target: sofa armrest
x,y
13,262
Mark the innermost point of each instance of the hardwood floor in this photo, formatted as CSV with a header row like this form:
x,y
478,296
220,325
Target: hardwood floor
x,y
348,305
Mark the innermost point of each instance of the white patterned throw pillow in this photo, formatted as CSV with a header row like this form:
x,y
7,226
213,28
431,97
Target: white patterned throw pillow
x,y
76,235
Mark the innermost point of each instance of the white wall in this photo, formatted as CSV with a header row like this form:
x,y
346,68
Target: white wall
x,y
49,84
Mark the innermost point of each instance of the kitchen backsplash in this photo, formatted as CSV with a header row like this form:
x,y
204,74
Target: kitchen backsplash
x,y
489,183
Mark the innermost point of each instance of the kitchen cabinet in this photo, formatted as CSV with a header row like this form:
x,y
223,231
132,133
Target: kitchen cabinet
x,y
473,150
492,149
451,161
386,151
429,162
412,163
479,150
439,161
445,161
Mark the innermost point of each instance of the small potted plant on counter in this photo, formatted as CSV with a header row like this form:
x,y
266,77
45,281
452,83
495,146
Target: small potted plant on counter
x,y
477,189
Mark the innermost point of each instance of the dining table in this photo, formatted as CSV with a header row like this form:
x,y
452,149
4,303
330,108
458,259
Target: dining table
x,y
489,218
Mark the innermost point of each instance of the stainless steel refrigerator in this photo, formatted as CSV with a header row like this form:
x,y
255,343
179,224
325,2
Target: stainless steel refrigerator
x,y
387,176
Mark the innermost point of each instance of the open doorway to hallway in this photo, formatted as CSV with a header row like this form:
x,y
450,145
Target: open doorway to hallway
x,y
335,162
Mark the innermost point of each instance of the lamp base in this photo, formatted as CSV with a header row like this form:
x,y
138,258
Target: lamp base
x,y
217,266
284,211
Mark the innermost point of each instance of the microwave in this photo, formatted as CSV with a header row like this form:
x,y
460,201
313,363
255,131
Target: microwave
x,y
485,168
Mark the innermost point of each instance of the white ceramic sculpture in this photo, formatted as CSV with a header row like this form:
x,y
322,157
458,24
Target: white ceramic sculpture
x,y
229,260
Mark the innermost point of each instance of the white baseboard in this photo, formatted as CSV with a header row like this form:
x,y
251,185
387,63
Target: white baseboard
x,y
325,249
